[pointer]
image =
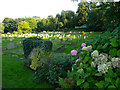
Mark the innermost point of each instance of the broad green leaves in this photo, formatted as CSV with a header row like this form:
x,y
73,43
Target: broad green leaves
x,y
80,81
117,82
113,52
100,84
118,53
114,42
98,74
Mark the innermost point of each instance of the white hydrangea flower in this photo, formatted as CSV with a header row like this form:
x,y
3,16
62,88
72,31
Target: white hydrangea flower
x,y
113,59
103,68
94,54
89,48
97,61
109,64
117,59
103,58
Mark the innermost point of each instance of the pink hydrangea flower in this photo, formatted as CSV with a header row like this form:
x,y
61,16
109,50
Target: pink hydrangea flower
x,y
74,52
83,45
84,48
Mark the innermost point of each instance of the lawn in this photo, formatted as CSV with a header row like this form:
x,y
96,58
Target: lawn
x,y
15,75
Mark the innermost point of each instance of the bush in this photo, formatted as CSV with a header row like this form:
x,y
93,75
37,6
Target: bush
x,y
29,44
55,65
93,70
33,42
108,42
94,22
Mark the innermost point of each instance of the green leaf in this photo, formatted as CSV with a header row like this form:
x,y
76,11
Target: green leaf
x,y
106,84
117,82
114,42
89,69
86,85
86,75
100,84
98,74
86,59
110,72
99,47
118,53
61,82
105,45
80,81
108,79
111,86
113,52
85,65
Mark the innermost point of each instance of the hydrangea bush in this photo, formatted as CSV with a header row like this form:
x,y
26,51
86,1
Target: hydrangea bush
x,y
92,69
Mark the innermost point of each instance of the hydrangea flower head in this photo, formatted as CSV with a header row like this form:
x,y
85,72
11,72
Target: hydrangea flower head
x,y
83,45
74,52
89,48
103,68
84,48
94,54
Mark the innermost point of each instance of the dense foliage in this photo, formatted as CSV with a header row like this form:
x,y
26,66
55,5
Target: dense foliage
x,y
55,65
33,42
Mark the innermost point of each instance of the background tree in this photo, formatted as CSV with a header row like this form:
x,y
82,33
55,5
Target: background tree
x,y
32,23
1,28
23,27
83,10
10,25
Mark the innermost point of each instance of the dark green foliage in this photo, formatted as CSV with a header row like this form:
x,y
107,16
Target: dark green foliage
x,y
58,68
33,42
108,42
56,65
94,22
10,25
47,45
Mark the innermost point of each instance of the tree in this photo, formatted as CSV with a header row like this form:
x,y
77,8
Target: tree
x,y
83,10
37,18
60,25
32,23
68,18
23,27
10,25
1,28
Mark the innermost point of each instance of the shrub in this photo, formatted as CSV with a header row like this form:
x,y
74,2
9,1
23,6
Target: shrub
x,y
29,44
33,42
93,69
55,65
108,42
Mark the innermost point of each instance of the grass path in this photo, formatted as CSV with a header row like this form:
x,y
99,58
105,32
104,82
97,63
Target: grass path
x,y
15,75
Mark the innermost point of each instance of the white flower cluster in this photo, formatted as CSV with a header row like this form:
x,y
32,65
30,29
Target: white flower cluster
x,y
115,62
104,62
94,54
103,68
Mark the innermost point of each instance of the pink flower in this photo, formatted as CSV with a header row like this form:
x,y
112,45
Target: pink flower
x,y
84,48
83,45
74,52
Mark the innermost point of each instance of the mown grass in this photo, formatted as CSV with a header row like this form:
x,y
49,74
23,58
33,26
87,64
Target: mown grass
x,y
15,75
77,43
